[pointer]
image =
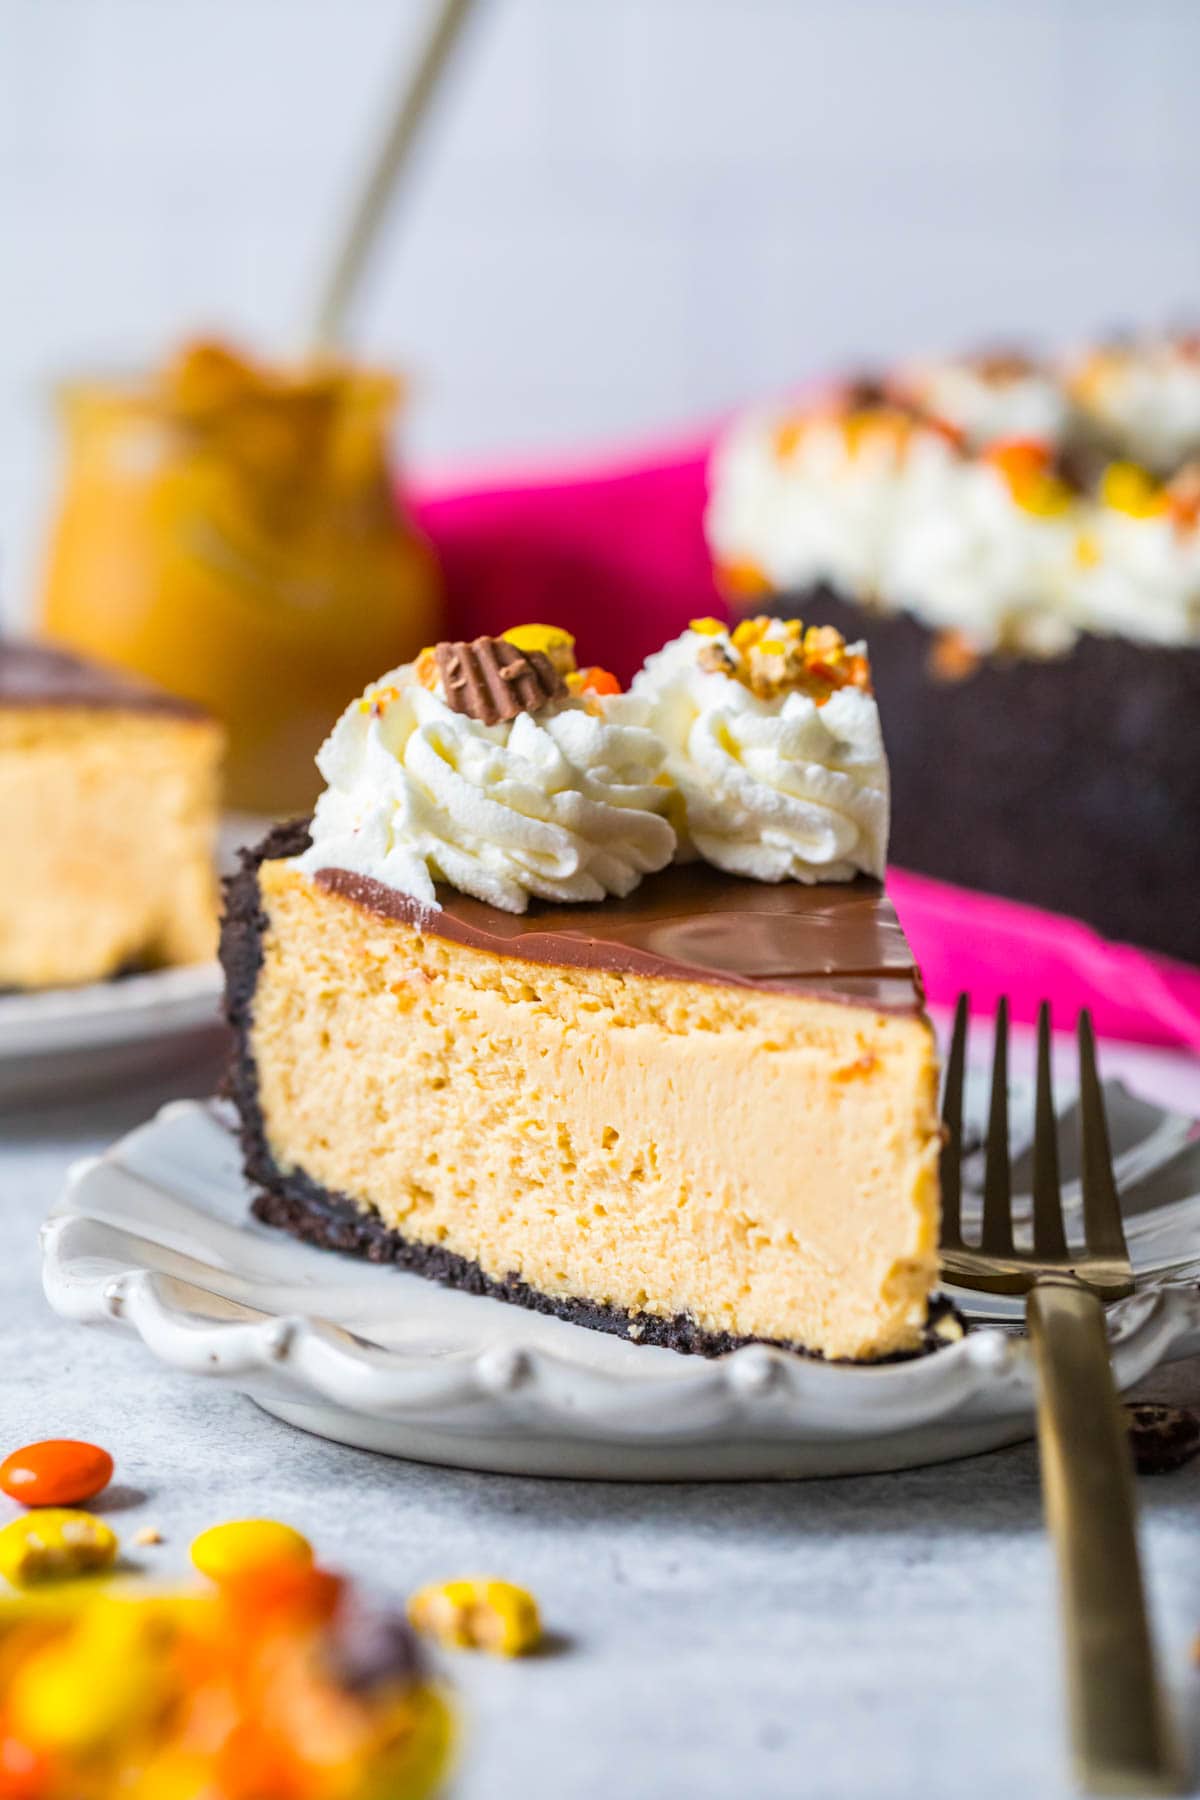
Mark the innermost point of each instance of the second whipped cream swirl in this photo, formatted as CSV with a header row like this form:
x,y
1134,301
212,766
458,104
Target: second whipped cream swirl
x,y
561,804
776,753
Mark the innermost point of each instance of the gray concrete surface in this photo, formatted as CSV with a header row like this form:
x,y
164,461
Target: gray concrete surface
x,y
888,1637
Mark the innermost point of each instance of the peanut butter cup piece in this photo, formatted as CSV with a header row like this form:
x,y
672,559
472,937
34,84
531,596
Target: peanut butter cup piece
x,y
492,679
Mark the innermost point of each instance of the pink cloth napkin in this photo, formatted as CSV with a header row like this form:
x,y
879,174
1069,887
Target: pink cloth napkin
x,y
617,555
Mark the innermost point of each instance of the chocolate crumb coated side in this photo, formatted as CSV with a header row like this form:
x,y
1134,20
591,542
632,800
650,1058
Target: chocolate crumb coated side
x,y
1071,783
1162,1438
294,1202
492,680
36,675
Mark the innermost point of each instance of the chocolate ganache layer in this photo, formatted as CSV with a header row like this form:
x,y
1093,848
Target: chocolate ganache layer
x,y
37,675
836,940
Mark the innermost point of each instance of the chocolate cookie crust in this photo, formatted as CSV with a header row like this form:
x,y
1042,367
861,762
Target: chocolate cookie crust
x,y
301,1206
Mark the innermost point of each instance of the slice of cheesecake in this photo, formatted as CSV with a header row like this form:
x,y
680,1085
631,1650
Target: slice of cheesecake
x,y
108,819
700,1114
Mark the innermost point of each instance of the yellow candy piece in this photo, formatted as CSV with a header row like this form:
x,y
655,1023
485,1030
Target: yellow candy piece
x,y
420,1746
53,1544
478,1613
751,631
707,627
224,1552
94,1685
538,637
1128,488
557,644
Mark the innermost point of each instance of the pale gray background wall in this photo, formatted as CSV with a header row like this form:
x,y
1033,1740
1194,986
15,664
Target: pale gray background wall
x,y
629,213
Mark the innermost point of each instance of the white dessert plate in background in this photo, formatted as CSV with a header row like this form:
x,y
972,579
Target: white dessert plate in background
x,y
155,1238
66,1041
63,1043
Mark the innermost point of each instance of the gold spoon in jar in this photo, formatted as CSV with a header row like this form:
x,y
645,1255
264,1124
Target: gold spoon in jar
x,y
370,206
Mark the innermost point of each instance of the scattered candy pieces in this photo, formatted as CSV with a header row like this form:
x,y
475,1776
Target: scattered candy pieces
x,y
1161,1438
478,1613
245,1546
201,1696
148,1534
56,1472
54,1544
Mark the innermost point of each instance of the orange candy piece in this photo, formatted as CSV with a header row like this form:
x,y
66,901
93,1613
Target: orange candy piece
x,y
56,1472
282,1590
598,681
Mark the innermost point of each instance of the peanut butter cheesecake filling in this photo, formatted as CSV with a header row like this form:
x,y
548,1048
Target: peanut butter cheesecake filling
x,y
108,815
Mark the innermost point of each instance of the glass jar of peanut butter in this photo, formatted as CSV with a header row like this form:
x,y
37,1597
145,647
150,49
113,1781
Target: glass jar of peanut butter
x,y
235,534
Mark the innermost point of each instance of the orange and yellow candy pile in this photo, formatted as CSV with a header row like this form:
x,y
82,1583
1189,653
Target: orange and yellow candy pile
x,y
271,1683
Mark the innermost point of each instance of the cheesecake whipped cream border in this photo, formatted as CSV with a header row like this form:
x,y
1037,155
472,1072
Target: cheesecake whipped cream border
x,y
1012,502
503,769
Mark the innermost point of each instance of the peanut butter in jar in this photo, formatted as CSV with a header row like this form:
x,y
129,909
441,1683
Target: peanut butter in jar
x,y
235,533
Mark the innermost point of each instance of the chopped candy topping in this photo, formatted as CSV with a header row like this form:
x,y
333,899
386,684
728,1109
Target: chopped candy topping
x,y
743,580
376,700
1128,488
593,680
707,627
1026,465
881,423
551,640
953,657
787,436
1183,496
772,657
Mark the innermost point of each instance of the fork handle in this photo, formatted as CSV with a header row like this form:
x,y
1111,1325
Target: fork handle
x,y
1121,1733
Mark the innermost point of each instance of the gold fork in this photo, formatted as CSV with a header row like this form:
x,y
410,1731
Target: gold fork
x,y
1120,1729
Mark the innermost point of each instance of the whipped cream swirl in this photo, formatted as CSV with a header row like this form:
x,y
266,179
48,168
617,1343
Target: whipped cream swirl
x,y
987,398
778,789
562,804
816,505
1144,398
972,559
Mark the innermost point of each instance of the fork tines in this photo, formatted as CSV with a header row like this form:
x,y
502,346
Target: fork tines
x,y
1103,1260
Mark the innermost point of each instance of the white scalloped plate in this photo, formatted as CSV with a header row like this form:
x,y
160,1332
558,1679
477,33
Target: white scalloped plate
x,y
155,1237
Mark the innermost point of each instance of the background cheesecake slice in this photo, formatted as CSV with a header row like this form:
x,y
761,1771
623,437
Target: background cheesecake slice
x,y
108,818
697,1115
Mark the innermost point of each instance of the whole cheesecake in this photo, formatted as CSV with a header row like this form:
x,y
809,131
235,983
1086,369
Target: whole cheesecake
x,y
108,816
1021,542
689,1106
